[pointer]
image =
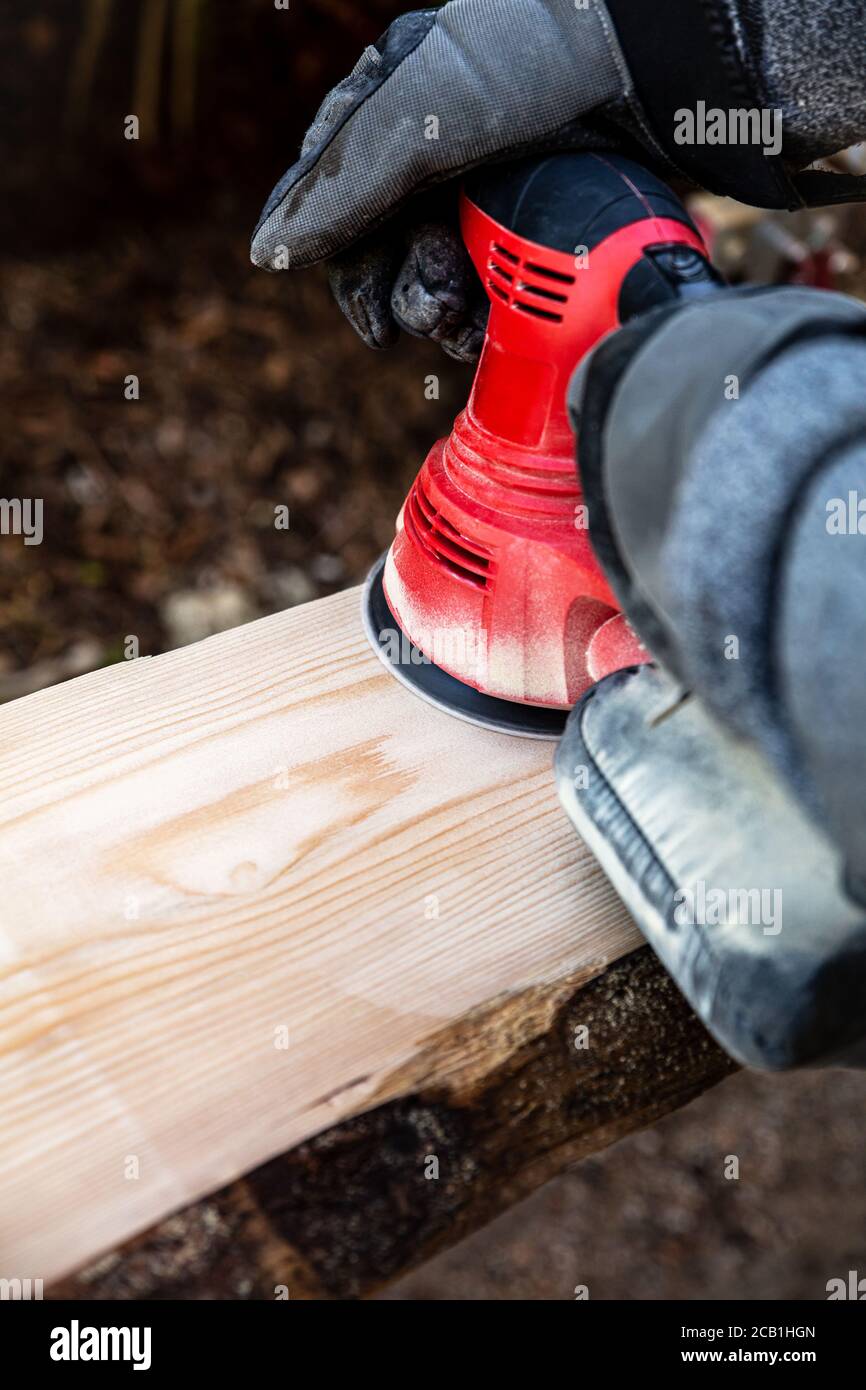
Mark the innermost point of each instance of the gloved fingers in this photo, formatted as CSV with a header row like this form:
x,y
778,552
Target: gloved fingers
x,y
466,343
421,280
444,90
437,293
361,281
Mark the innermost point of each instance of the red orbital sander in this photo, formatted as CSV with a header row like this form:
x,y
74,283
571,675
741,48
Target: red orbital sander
x,y
490,602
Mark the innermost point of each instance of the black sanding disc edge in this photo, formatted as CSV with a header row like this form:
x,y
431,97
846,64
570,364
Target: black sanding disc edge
x,y
434,685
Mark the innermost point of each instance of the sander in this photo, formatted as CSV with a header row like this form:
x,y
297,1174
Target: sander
x,y
490,602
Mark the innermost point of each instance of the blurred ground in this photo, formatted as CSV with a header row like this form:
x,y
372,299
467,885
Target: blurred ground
x,y
253,393
159,523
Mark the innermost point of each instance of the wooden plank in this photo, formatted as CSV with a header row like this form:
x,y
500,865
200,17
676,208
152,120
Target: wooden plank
x,y
353,1208
261,832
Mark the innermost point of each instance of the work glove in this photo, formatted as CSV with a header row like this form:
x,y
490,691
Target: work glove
x,y
448,88
723,458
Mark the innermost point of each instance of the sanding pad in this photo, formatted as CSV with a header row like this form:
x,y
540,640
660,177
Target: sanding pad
x,y
737,890
420,675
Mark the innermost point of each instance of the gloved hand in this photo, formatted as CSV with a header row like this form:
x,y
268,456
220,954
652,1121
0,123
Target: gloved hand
x,y
722,454
449,88
714,438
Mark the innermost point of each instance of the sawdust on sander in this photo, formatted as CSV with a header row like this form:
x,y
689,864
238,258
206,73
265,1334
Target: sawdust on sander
x,y
434,633
614,646
556,670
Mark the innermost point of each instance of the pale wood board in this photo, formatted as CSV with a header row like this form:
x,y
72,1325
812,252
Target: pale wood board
x,y
252,833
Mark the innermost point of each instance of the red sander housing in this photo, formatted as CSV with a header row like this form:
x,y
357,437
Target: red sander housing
x,y
490,602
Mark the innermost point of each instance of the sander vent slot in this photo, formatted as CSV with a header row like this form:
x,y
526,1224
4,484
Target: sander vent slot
x,y
550,274
542,294
536,312
509,255
443,543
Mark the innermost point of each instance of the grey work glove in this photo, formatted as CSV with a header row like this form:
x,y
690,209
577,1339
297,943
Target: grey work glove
x,y
723,456
446,89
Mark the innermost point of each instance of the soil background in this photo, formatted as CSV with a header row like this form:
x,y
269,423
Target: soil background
x,y
130,258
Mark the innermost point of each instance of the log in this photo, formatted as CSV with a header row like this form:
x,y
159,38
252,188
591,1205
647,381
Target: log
x,y
353,1208
251,889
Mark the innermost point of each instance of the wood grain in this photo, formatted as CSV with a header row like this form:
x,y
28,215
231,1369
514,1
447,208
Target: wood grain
x,y
261,832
